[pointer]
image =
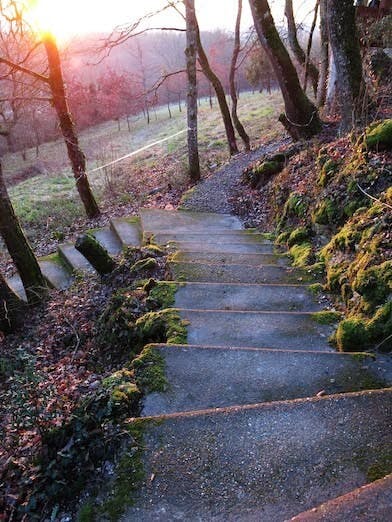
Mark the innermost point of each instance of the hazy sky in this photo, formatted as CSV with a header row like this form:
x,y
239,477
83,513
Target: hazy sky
x,y
84,16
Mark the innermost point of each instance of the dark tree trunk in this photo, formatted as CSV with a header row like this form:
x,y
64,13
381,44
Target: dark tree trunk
x,y
301,118
220,93
295,46
76,156
190,53
324,55
210,95
308,63
233,92
343,38
11,307
19,248
128,124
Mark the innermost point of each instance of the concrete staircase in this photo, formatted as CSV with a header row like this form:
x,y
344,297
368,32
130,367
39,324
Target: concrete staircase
x,y
261,420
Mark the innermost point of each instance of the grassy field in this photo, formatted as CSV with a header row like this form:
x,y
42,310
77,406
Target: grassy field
x,y
50,198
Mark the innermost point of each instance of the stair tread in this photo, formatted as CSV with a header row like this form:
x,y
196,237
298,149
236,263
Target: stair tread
x,y
15,283
55,273
109,240
74,259
127,230
154,220
229,248
252,297
258,329
219,258
260,462
216,238
369,503
235,376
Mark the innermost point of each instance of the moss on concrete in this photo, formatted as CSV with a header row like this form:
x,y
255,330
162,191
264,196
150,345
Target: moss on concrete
x,y
163,294
144,264
149,369
164,326
326,317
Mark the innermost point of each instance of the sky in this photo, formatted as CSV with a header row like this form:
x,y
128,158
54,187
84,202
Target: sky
x,y
69,17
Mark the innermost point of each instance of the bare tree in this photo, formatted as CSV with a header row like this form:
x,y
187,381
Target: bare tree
x,y
324,55
233,68
299,53
301,118
190,53
343,38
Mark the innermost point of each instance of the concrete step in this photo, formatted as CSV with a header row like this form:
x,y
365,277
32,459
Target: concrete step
x,y
206,273
127,230
215,238
55,273
201,377
222,296
275,330
230,259
369,503
224,248
16,285
109,240
264,462
154,220
74,260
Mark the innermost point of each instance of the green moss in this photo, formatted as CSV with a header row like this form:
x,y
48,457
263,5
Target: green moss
x,y
379,328
336,276
326,317
298,236
352,335
374,284
117,378
296,204
144,264
163,294
381,468
164,326
87,513
316,288
379,136
260,173
268,236
328,169
283,237
150,371
326,213
301,254
153,250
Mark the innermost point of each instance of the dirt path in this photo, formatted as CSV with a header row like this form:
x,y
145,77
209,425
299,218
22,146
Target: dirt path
x,y
214,194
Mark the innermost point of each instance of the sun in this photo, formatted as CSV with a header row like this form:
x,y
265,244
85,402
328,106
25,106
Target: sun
x,y
66,18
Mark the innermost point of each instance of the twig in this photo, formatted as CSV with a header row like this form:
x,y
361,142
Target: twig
x,y
372,197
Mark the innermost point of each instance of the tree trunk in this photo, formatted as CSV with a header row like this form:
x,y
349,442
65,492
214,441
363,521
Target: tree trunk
x,y
220,93
301,118
190,53
11,307
343,38
324,55
76,156
233,92
19,248
308,63
296,48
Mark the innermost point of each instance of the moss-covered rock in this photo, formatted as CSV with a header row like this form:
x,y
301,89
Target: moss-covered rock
x,y
352,335
379,136
144,264
149,370
298,236
301,254
164,326
326,213
327,172
380,328
374,284
162,295
326,317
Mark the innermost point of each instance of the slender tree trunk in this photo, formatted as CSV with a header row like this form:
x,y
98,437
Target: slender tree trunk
x,y
324,55
308,63
344,41
191,53
76,156
220,93
299,53
128,124
19,248
233,92
301,118
210,95
11,307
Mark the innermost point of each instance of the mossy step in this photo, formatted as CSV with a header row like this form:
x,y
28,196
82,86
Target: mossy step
x,y
231,259
206,273
223,248
233,376
55,273
215,238
74,259
372,502
109,240
154,220
127,231
275,330
15,283
222,296
260,462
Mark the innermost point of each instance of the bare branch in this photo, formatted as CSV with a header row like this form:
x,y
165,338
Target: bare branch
x,y
25,70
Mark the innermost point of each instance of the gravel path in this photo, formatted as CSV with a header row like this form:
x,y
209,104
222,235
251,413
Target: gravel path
x,y
214,193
